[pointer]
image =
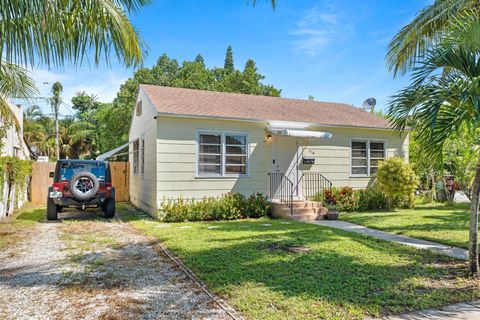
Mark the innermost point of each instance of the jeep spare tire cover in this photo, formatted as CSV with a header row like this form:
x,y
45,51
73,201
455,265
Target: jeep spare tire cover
x,y
84,185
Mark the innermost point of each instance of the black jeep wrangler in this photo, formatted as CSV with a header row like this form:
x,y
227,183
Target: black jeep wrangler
x,y
81,184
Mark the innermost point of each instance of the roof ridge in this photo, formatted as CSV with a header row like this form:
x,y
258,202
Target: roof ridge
x,y
249,95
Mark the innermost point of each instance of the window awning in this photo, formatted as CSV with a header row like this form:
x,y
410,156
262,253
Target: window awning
x,y
112,152
300,133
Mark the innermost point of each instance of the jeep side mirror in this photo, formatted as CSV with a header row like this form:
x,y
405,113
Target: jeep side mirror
x,y
50,174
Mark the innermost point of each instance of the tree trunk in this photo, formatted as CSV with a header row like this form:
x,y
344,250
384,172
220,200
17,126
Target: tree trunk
x,y
57,140
473,234
433,189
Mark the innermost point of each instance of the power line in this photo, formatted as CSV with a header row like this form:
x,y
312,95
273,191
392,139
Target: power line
x,y
69,108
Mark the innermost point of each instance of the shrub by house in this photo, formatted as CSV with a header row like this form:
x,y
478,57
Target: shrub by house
x,y
229,207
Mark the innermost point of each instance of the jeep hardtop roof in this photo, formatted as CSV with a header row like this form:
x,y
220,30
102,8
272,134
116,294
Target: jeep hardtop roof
x,y
80,161
62,163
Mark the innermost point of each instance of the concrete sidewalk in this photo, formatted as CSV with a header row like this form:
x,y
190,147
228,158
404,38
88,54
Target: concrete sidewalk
x,y
459,311
409,241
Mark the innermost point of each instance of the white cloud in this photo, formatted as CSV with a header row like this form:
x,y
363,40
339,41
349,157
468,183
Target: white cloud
x,y
318,29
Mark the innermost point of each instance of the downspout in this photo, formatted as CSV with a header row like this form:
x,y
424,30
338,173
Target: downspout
x,y
296,167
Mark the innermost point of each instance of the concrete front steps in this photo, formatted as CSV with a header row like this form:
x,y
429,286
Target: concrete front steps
x,y
303,210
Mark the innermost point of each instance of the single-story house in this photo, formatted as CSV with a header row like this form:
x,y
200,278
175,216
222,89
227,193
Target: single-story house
x,y
193,144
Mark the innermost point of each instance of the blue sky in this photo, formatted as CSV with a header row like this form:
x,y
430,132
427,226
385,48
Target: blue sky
x,y
331,49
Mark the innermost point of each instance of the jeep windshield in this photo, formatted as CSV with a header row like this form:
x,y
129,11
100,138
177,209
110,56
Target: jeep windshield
x,y
67,170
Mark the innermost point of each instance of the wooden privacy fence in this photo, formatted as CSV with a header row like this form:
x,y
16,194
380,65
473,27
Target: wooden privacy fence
x,y
41,180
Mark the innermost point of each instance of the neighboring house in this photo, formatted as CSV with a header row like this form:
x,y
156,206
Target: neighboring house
x,y
13,145
194,144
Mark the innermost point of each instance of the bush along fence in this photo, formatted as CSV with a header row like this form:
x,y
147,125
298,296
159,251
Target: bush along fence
x,y
229,207
14,177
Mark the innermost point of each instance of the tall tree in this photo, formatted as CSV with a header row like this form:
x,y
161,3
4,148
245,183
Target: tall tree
x,y
443,99
84,104
426,29
55,32
55,102
199,59
39,131
229,65
83,131
33,129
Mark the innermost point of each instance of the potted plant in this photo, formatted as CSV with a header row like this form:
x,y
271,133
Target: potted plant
x,y
332,213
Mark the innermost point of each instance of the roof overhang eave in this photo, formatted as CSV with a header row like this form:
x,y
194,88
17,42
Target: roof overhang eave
x,y
266,122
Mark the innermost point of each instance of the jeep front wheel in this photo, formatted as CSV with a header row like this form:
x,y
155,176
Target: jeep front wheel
x,y
52,213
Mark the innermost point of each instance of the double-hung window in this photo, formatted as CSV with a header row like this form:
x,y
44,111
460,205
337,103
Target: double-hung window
x,y
235,154
222,154
135,156
377,153
210,154
142,156
365,155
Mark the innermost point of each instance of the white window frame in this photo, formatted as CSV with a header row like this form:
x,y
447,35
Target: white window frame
x,y
136,163
141,155
368,141
223,135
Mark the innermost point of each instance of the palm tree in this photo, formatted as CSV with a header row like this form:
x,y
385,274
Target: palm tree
x,y
443,99
56,32
85,134
55,101
33,129
415,39
33,113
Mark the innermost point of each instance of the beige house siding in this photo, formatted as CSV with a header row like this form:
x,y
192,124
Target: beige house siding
x,y
332,156
176,159
143,187
176,156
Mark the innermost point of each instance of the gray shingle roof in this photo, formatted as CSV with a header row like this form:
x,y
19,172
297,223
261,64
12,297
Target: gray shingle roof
x,y
191,102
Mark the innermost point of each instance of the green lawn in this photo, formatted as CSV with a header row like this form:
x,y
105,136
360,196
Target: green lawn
x,y
440,223
343,276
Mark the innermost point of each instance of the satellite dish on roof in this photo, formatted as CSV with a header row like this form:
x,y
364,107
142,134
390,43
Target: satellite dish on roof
x,y
369,104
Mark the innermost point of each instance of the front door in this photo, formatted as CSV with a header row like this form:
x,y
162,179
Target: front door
x,y
286,157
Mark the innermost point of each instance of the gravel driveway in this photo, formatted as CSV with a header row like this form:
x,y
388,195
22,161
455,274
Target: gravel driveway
x,y
96,269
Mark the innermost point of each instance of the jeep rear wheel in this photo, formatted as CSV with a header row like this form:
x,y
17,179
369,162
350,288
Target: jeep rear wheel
x,y
109,208
52,213
84,185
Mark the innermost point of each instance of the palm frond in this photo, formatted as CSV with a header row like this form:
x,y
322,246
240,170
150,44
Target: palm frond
x,y
14,82
272,2
55,32
444,95
414,39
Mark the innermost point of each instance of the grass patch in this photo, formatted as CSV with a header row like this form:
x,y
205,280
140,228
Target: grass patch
x,y
14,227
335,274
434,222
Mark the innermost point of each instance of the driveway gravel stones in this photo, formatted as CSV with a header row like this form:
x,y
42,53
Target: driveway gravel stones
x,y
97,269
